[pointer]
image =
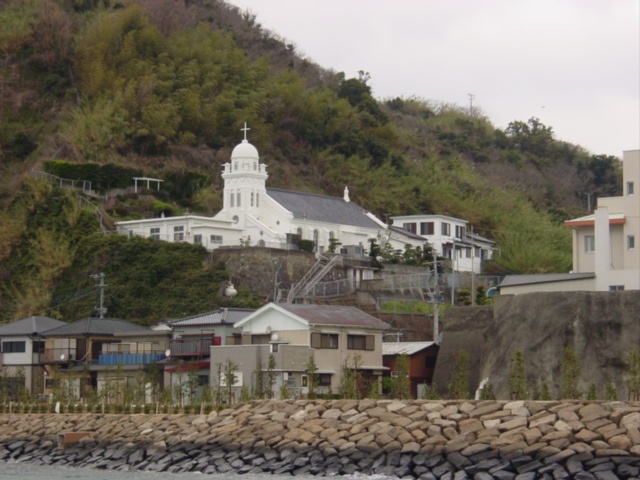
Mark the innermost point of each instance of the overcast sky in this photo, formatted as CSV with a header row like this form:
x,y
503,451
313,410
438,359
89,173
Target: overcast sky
x,y
574,64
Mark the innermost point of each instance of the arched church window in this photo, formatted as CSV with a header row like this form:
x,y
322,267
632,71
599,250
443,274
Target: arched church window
x,y
252,199
261,243
330,235
299,231
316,238
231,199
257,199
238,198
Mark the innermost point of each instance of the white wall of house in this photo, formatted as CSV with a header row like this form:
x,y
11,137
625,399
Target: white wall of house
x,y
448,236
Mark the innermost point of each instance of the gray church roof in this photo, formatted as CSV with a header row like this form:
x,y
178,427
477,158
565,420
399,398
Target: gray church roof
x,y
94,326
29,326
322,208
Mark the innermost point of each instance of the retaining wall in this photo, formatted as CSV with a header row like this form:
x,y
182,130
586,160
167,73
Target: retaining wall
x,y
452,440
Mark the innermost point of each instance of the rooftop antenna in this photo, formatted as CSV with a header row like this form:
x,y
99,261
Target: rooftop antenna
x,y
471,97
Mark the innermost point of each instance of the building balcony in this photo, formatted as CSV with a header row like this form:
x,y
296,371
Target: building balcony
x,y
60,355
191,347
130,358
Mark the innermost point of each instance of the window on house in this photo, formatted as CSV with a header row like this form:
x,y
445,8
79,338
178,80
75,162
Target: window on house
x,y
38,346
203,380
178,234
14,347
232,200
360,342
409,227
154,233
589,244
630,188
316,238
616,288
484,254
446,229
324,379
324,340
238,199
216,239
460,231
476,251
631,242
197,239
262,339
467,252
426,228
430,362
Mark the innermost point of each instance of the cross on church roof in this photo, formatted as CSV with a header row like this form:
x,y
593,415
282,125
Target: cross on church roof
x,y
245,130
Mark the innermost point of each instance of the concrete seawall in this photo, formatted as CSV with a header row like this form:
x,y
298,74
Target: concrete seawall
x,y
452,440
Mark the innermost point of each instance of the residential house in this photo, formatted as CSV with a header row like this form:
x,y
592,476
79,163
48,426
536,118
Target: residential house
x,y
72,353
298,336
606,255
191,342
21,351
422,358
253,214
450,238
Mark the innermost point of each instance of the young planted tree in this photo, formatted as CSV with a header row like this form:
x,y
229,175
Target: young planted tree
x,y
400,383
632,376
271,376
312,377
230,379
258,384
570,374
459,383
518,377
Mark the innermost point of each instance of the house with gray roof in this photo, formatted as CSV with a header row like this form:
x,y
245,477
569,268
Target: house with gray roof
x,y
296,336
76,352
21,352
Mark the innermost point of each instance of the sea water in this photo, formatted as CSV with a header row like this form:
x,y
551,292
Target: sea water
x,y
25,471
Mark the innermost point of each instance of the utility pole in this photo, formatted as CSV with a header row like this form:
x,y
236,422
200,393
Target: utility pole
x,y
471,97
101,286
435,299
473,271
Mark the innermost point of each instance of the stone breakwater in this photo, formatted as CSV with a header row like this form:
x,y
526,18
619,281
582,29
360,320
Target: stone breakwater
x,y
451,440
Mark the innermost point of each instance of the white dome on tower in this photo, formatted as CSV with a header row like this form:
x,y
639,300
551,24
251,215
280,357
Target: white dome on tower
x,y
245,150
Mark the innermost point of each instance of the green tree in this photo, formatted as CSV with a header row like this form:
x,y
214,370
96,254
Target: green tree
x,y
400,382
459,383
632,375
271,376
570,374
518,377
230,379
312,376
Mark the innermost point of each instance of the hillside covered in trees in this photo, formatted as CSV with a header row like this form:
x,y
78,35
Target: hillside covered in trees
x,y
104,90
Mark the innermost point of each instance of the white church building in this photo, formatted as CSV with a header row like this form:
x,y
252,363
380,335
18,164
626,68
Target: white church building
x,y
254,215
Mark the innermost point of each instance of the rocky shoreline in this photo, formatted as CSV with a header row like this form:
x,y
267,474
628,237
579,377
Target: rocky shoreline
x,y
427,440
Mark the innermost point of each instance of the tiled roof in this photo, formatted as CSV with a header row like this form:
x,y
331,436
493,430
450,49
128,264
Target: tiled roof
x,y
322,208
334,315
406,348
514,280
95,326
29,326
218,317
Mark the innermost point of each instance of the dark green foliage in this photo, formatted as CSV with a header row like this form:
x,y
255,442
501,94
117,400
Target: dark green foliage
x,y
102,177
306,245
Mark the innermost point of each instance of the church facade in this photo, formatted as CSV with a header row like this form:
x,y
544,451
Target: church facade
x,y
254,215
